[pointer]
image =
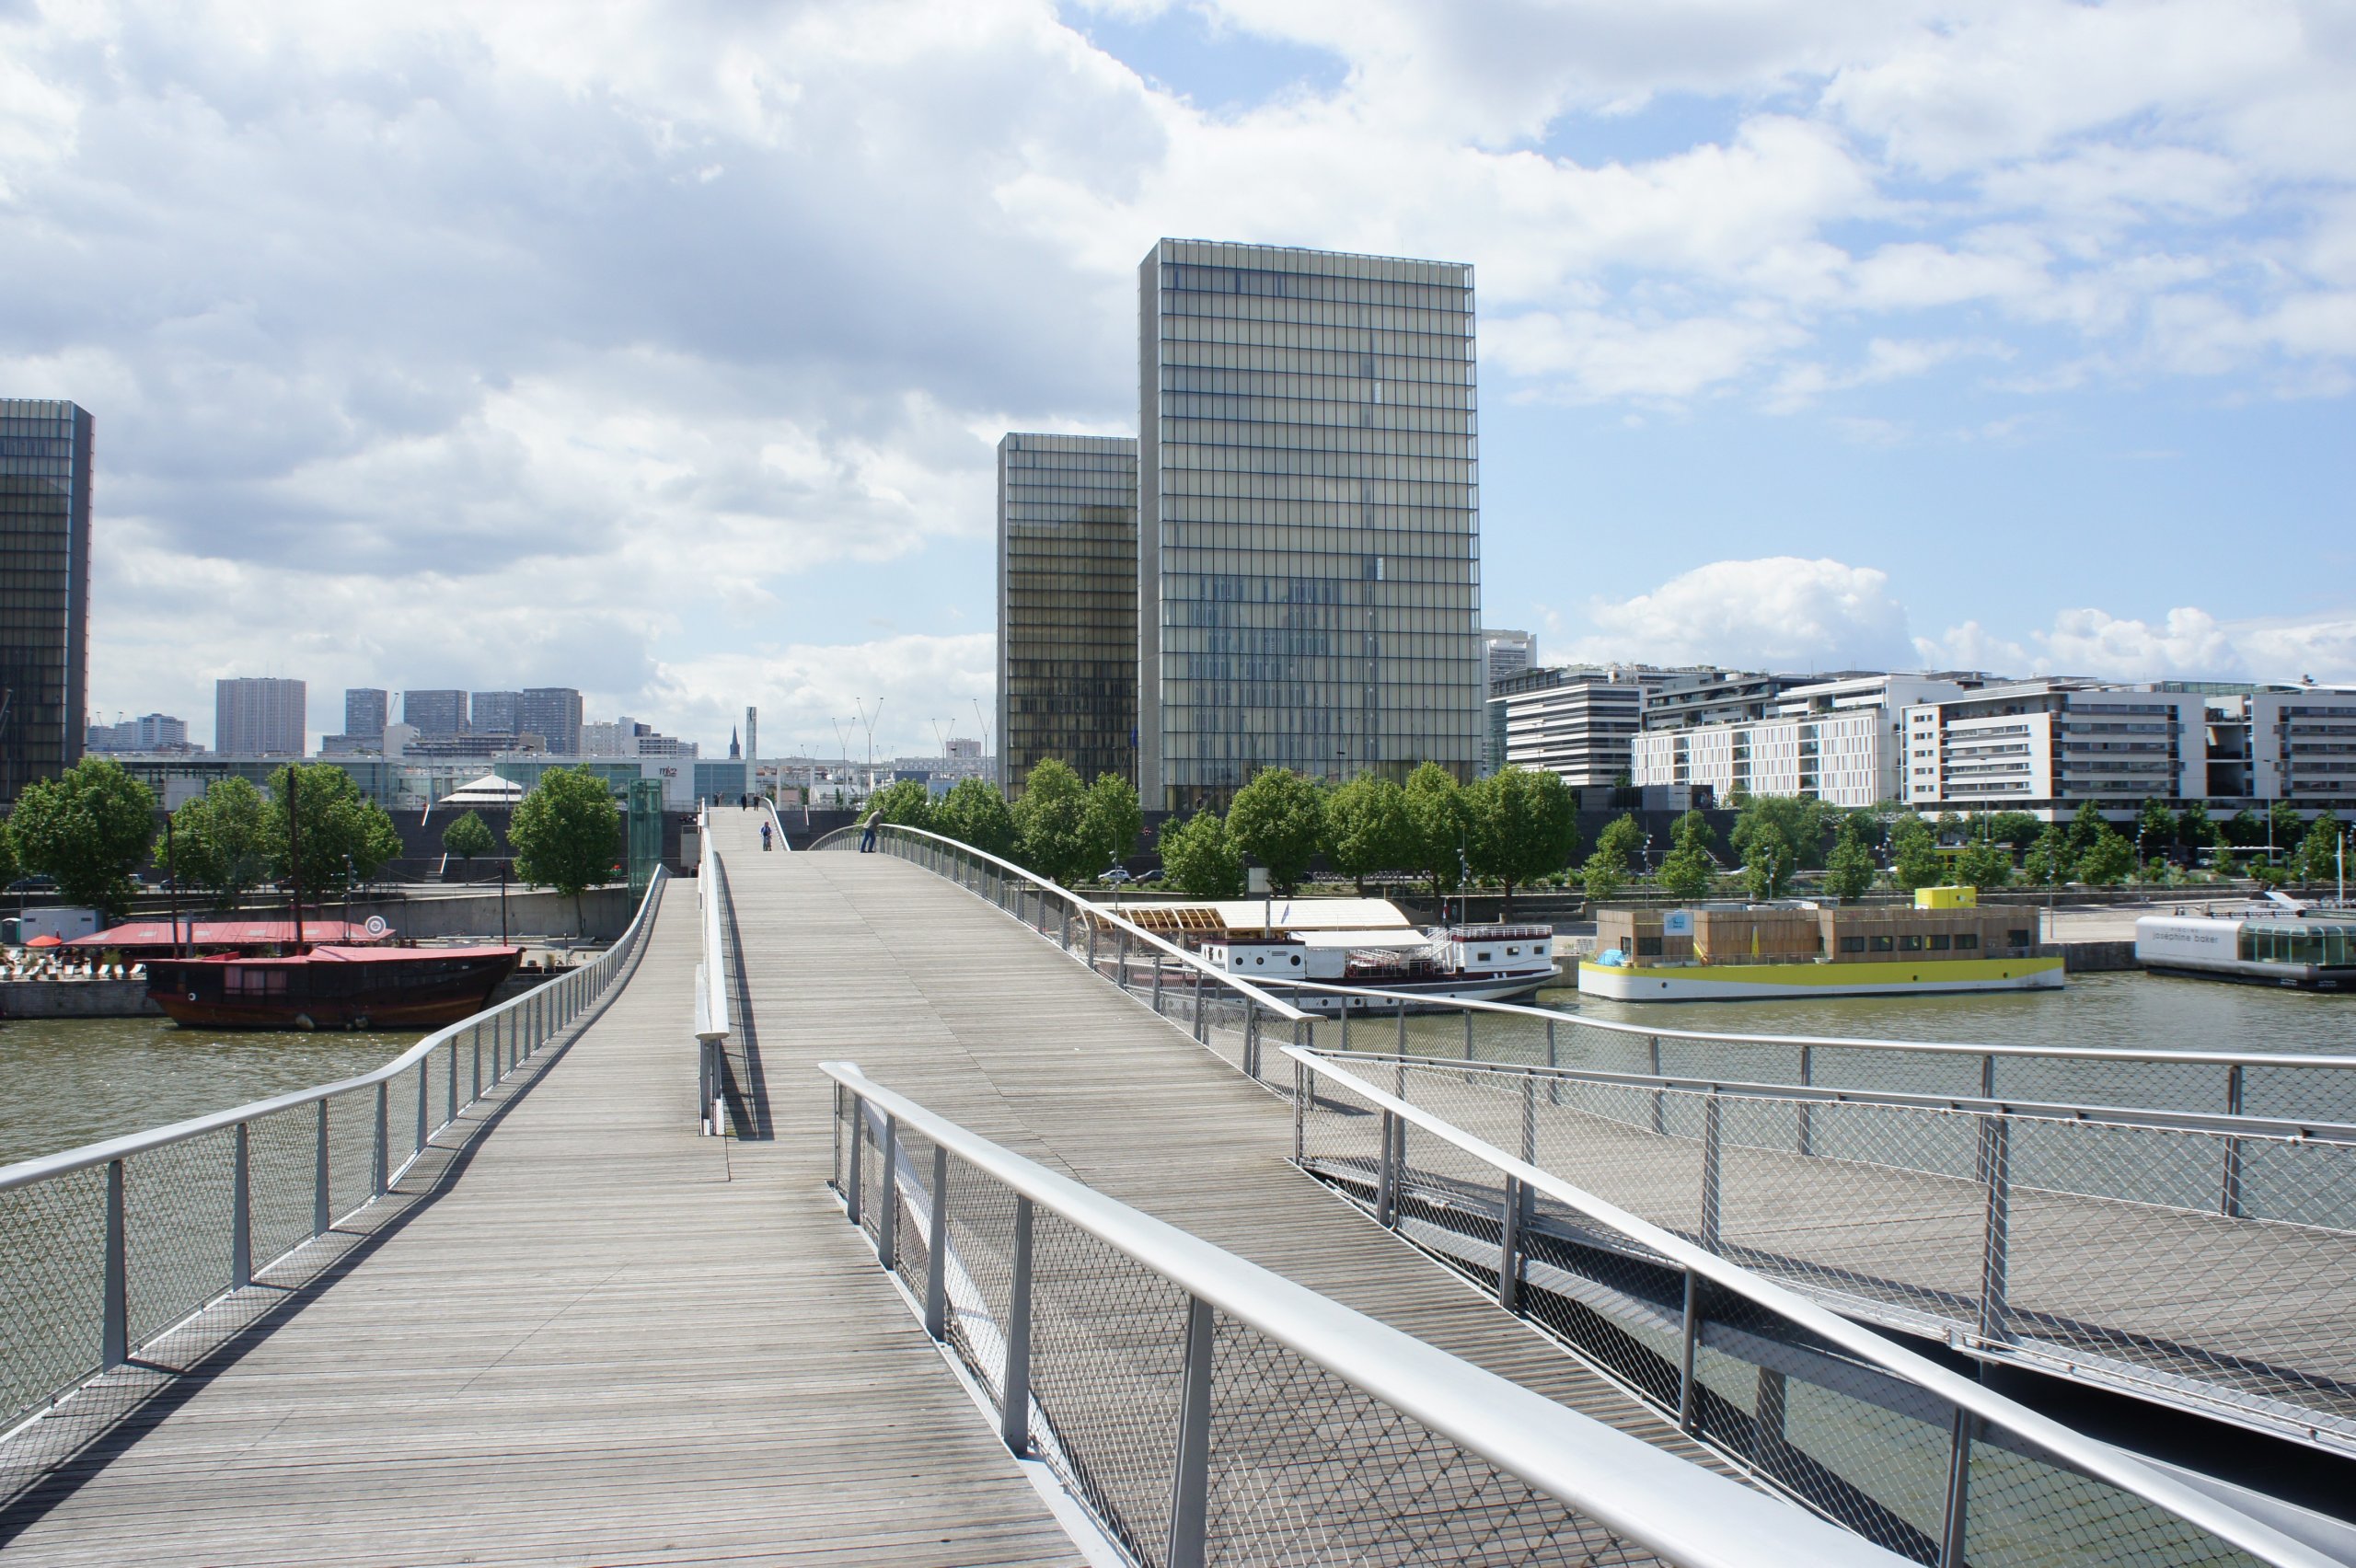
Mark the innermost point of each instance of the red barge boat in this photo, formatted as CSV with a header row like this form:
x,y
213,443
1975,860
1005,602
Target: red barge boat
x,y
332,987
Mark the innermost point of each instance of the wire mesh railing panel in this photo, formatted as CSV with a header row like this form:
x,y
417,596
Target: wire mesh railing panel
x,y
351,1150
980,1275
1307,1469
176,1216
283,1155
1107,1354
52,1278
2300,1093
2025,1511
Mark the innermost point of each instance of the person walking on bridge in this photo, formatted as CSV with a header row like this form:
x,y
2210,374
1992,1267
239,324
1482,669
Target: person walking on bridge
x,y
867,837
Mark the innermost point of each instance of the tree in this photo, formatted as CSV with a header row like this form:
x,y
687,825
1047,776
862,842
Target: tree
x,y
566,832
2194,831
89,828
1685,872
1278,819
2156,826
1798,821
1438,826
1693,831
2019,829
345,837
2086,826
2319,857
467,837
1199,859
2285,826
1114,819
2047,864
1848,870
1605,871
10,868
2246,830
1913,853
2108,860
1368,829
975,812
1984,863
1525,824
1768,862
904,802
1052,818
220,841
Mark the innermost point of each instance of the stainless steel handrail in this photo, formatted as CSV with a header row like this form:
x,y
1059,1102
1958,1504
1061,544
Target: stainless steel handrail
x,y
1687,1515
1258,997
711,979
569,991
2100,1460
777,823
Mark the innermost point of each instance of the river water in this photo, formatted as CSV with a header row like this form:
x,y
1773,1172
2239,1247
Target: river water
x,y
65,1082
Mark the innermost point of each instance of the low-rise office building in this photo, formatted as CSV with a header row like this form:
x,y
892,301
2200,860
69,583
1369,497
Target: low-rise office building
x,y
1576,724
2047,746
1841,740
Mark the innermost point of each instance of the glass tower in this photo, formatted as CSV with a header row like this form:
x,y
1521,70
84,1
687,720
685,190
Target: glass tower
x,y
1067,604
1308,518
44,588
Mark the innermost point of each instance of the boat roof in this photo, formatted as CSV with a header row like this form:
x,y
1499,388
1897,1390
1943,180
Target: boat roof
x,y
366,955
1287,914
229,933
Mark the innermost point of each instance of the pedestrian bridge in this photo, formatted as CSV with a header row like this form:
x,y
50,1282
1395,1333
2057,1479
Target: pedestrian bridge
x,y
1171,1270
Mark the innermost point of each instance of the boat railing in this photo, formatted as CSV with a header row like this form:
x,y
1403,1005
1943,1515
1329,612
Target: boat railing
x,y
111,1247
1923,1460
712,980
1204,1408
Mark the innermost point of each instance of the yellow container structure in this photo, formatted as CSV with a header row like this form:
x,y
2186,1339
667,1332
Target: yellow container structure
x,y
1947,898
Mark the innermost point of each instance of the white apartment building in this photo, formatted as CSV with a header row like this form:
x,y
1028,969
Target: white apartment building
x,y
2303,747
1840,741
1578,724
2045,747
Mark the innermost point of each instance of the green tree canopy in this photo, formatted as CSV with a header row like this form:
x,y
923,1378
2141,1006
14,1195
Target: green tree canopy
x,y
1278,818
2047,862
2019,829
2319,857
1984,863
2284,827
2086,825
2108,861
1625,835
1052,820
89,828
1799,821
1198,860
2155,827
346,837
1686,872
1115,820
1440,824
904,802
1848,870
975,812
1914,855
221,841
1693,831
1525,824
1768,862
469,837
2245,829
567,833
2193,828
1368,829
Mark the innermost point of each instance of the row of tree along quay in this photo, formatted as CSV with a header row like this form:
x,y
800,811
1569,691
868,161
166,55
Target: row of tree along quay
x,y
1518,829
311,836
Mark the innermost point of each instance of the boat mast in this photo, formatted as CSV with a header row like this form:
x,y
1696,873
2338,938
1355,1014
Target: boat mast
x,y
294,851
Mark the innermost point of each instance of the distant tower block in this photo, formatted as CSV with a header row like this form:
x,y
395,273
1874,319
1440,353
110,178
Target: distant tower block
x,y
752,741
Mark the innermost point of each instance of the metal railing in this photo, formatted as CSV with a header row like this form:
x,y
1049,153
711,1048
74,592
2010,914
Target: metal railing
x,y
711,983
776,824
1205,1409
1928,1463
105,1248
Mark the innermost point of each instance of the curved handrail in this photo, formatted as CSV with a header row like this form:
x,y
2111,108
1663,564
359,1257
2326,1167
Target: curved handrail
x,y
43,1166
776,824
712,974
2100,1460
1688,1515
1096,911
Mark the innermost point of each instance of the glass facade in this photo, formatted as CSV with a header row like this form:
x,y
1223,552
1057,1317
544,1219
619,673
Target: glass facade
x,y
44,588
1308,505
1067,604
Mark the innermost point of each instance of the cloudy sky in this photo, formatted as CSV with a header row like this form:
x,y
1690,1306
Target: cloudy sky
x,y
661,350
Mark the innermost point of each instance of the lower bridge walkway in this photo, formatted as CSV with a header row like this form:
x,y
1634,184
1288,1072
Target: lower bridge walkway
x,y
586,1333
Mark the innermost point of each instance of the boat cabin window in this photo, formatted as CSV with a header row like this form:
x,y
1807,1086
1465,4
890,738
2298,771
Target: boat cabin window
x,y
254,982
1968,941
1910,943
2021,938
1941,941
1513,953
1853,944
2292,943
1648,947
1481,958
1296,961
1883,944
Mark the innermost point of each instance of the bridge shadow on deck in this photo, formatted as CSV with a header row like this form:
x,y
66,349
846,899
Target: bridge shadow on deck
x,y
745,1085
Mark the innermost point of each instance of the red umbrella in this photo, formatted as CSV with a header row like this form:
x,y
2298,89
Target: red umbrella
x,y
46,941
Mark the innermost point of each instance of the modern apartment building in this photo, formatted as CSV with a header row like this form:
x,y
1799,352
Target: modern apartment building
x,y
1067,604
1308,583
257,716
366,709
1578,724
45,462
1686,699
148,732
2303,747
1841,740
493,711
434,714
2045,747
553,713
1506,653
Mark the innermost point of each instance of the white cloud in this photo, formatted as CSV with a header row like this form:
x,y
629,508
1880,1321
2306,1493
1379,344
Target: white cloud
x,y
1779,613
2187,643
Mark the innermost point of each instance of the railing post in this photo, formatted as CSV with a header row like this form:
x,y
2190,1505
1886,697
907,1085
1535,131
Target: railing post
x,y
1711,1187
1202,1018
384,1139
2229,1202
1386,1173
1157,984
424,1094
114,1334
1300,1107
497,1072
1995,1141
1402,1028
855,1199
1468,1034
936,1268
1951,1533
319,1215
1509,1247
475,1087
452,1098
1808,1110
1121,960
1251,1038
1528,1121
1190,1486
1014,1403
1092,943
241,1210
1988,1076
1553,1086
1660,1119
887,1221
1690,1339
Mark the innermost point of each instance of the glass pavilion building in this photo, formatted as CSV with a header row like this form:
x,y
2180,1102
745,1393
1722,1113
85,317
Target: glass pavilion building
x,y
1067,604
1308,535
45,447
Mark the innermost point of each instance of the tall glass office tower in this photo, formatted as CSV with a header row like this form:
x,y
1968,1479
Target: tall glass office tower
x,y
44,588
1067,604
1308,575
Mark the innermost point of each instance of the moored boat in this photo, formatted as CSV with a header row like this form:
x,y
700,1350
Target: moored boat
x,y
1362,944
2296,947
332,987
